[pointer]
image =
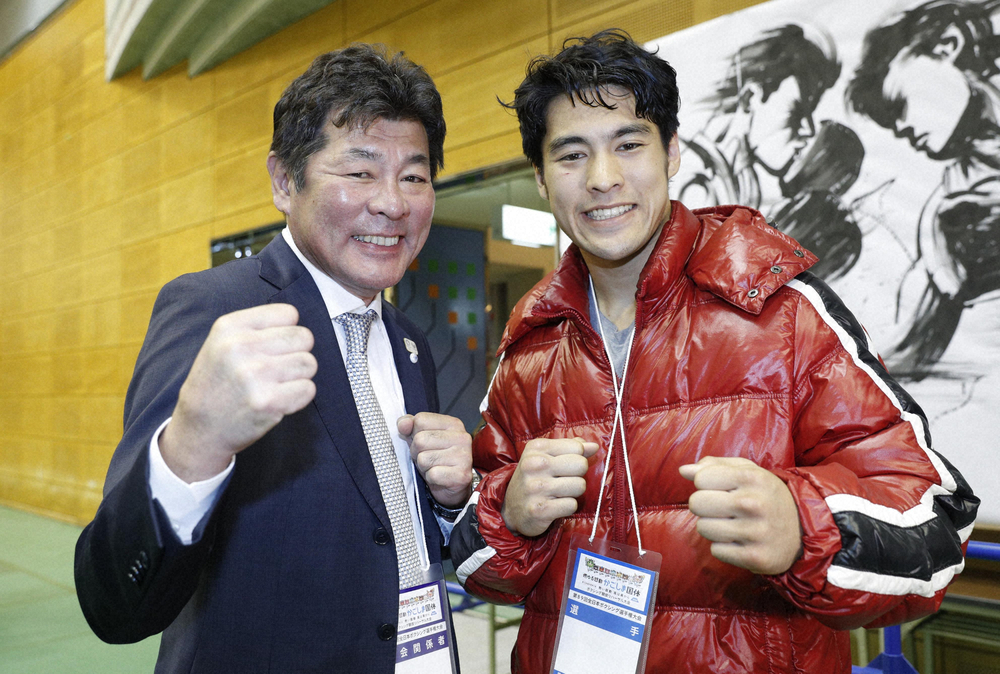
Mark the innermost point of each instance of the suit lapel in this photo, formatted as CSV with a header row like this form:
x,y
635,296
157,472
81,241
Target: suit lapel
x,y
334,400
408,371
415,398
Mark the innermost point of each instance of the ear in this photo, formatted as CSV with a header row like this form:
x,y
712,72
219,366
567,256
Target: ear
x,y
281,183
950,45
673,156
540,181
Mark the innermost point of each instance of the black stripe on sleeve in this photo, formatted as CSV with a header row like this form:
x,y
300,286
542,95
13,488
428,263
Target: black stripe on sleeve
x,y
846,320
886,549
465,537
870,544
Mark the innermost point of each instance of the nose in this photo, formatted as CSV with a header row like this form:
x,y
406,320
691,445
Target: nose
x,y
603,173
389,200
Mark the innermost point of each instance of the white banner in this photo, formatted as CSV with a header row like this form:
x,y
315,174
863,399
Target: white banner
x,y
868,130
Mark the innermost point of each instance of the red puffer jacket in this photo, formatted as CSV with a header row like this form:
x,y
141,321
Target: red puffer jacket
x,y
735,353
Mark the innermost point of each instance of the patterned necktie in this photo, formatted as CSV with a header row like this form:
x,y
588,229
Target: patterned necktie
x,y
390,481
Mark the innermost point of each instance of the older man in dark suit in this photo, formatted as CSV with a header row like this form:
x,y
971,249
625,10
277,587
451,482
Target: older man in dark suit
x,y
262,508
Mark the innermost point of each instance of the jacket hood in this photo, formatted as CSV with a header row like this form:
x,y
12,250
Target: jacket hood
x,y
729,251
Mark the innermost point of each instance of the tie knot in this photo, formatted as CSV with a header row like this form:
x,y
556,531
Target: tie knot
x,y
357,326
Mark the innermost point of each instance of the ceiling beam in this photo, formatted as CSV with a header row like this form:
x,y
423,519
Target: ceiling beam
x,y
158,34
243,24
179,33
119,32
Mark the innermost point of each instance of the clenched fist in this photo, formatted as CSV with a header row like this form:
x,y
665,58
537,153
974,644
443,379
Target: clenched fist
x,y
747,512
254,368
546,483
442,451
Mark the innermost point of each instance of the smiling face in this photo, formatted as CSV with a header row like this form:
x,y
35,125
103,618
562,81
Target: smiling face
x,y
605,175
366,206
935,93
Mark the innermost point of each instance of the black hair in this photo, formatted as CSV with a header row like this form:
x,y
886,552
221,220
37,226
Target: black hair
x,y
781,53
919,31
355,86
581,71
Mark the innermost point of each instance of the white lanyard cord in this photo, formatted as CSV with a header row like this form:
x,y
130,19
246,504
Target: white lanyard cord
x,y
607,464
615,426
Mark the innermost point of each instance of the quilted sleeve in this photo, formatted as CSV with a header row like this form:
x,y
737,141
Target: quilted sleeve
x,y
491,561
885,518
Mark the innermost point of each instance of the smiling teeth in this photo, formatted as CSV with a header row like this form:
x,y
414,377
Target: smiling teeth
x,y
378,240
606,213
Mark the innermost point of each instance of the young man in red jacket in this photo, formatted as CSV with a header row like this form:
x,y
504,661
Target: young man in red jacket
x,y
756,441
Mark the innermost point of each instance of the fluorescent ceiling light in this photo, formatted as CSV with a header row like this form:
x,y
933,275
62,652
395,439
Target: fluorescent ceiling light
x,y
527,226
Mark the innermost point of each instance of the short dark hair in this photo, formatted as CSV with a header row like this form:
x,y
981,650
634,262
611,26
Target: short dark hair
x,y
584,67
357,85
781,53
918,31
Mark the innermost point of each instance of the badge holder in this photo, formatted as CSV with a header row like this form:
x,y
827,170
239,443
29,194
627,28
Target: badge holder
x,y
425,637
607,605
425,643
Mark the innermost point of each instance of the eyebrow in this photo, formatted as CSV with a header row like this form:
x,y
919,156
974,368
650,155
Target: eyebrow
x,y
627,130
364,153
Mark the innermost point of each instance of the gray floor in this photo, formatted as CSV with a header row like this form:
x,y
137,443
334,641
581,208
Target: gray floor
x,y
42,630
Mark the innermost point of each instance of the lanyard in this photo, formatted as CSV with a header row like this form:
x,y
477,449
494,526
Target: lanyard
x,y
619,389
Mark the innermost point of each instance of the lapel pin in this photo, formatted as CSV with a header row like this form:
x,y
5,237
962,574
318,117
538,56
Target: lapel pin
x,y
411,346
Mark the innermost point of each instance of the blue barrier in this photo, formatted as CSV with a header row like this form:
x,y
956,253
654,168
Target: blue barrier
x,y
980,550
892,660
467,600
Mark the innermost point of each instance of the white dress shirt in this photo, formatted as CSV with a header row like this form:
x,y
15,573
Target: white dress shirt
x,y
186,504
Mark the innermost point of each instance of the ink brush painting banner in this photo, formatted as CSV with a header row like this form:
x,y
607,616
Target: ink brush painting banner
x,y
868,130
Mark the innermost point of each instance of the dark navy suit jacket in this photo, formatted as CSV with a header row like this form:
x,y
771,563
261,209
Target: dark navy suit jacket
x,y
293,570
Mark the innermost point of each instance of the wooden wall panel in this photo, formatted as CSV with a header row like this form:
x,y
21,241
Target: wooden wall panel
x,y
571,12
446,34
499,149
281,57
469,94
642,19
109,190
364,16
256,216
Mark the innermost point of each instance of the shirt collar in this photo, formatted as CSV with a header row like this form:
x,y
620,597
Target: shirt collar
x,y
337,299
